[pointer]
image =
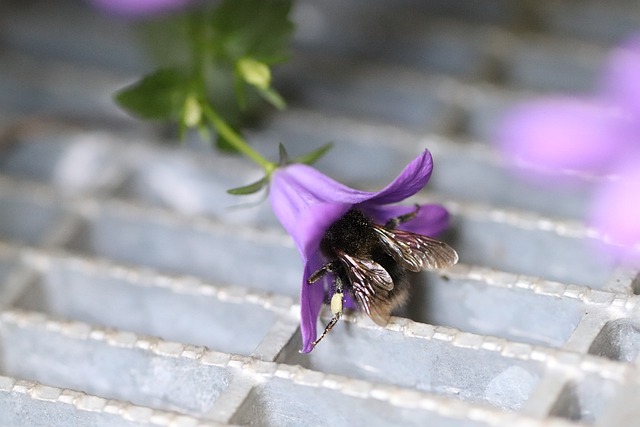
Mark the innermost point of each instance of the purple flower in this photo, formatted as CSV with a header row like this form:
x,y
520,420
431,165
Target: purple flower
x,y
307,203
556,138
139,8
616,211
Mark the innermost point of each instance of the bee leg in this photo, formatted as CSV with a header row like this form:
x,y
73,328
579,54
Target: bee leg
x,y
336,309
329,267
330,326
394,222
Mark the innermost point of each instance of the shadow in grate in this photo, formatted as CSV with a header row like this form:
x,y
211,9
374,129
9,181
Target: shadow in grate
x,y
618,340
584,400
8,265
635,285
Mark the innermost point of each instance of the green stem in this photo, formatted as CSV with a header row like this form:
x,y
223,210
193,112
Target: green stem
x,y
236,140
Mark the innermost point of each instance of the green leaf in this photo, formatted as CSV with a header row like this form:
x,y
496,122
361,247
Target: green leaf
x,y
283,156
273,97
158,96
253,28
251,188
314,156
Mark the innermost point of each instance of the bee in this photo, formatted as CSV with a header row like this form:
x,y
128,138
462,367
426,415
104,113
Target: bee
x,y
371,261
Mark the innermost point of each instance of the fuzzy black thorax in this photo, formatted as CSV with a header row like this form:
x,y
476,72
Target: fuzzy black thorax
x,y
352,234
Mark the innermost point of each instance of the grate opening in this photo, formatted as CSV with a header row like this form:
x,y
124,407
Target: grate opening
x,y
529,250
25,219
270,404
75,163
212,252
122,369
57,413
146,307
474,306
431,365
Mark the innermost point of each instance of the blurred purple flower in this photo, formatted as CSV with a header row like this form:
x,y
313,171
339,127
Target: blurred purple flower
x,y
307,202
553,139
139,8
616,211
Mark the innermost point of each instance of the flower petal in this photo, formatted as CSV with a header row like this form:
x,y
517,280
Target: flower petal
x,y
307,202
616,212
349,301
430,220
552,136
316,186
411,180
311,299
139,8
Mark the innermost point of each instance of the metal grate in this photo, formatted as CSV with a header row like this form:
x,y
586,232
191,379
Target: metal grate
x,y
134,291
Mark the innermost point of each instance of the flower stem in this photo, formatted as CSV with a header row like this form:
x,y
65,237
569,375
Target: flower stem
x,y
236,141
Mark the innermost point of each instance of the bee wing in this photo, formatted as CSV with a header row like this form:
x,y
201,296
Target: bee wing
x,y
414,251
371,275
371,285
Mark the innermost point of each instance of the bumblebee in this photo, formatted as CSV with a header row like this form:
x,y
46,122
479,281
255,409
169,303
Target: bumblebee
x,y
371,261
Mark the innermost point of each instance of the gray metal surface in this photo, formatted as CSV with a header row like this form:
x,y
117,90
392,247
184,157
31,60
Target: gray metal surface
x,y
134,291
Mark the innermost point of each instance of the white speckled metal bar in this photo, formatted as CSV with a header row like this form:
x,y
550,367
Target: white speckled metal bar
x,y
135,291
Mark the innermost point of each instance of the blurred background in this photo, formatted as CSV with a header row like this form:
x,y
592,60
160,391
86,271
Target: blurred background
x,y
135,291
